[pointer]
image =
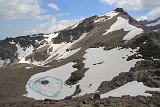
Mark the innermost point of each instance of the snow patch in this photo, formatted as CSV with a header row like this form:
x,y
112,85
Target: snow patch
x,y
12,42
24,52
3,63
49,37
157,30
50,84
29,67
122,23
69,53
100,20
60,49
133,88
109,16
75,25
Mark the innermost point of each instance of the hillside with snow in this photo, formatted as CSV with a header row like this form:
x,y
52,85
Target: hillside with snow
x,y
103,56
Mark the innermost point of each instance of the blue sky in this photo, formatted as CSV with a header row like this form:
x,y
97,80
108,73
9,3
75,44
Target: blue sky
x,y
22,17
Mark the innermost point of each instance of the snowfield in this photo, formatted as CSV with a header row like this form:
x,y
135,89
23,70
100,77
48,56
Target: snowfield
x,y
103,66
122,23
133,88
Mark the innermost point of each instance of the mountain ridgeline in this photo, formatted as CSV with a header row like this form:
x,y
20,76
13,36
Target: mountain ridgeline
x,y
152,24
105,55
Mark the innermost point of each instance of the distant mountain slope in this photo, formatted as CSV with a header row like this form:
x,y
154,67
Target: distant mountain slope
x,y
98,57
152,24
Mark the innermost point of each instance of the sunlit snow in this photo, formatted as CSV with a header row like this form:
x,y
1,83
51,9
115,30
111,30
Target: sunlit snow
x,y
69,53
75,25
104,66
133,88
109,15
3,63
55,88
122,23
60,49
22,53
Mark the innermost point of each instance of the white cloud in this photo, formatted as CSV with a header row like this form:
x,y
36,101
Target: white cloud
x,y
51,26
154,13
109,1
43,17
128,4
53,6
32,9
14,9
142,18
152,5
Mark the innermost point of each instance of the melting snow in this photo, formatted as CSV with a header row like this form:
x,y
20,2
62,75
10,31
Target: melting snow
x,y
29,67
75,25
12,42
60,49
132,88
3,63
102,18
56,88
69,53
22,53
104,66
122,23
50,36
110,14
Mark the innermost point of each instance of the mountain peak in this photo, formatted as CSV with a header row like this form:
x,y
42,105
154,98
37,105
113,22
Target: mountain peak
x,y
121,10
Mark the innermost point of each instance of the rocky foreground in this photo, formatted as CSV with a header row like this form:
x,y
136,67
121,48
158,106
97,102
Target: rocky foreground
x,y
124,101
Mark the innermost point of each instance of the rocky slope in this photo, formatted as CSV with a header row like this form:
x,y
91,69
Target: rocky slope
x,y
101,56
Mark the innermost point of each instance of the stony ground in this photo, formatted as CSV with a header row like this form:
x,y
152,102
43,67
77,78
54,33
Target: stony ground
x,y
124,101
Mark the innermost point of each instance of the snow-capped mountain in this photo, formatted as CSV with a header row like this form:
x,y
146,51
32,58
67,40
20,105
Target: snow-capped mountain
x,y
109,54
152,24
40,49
